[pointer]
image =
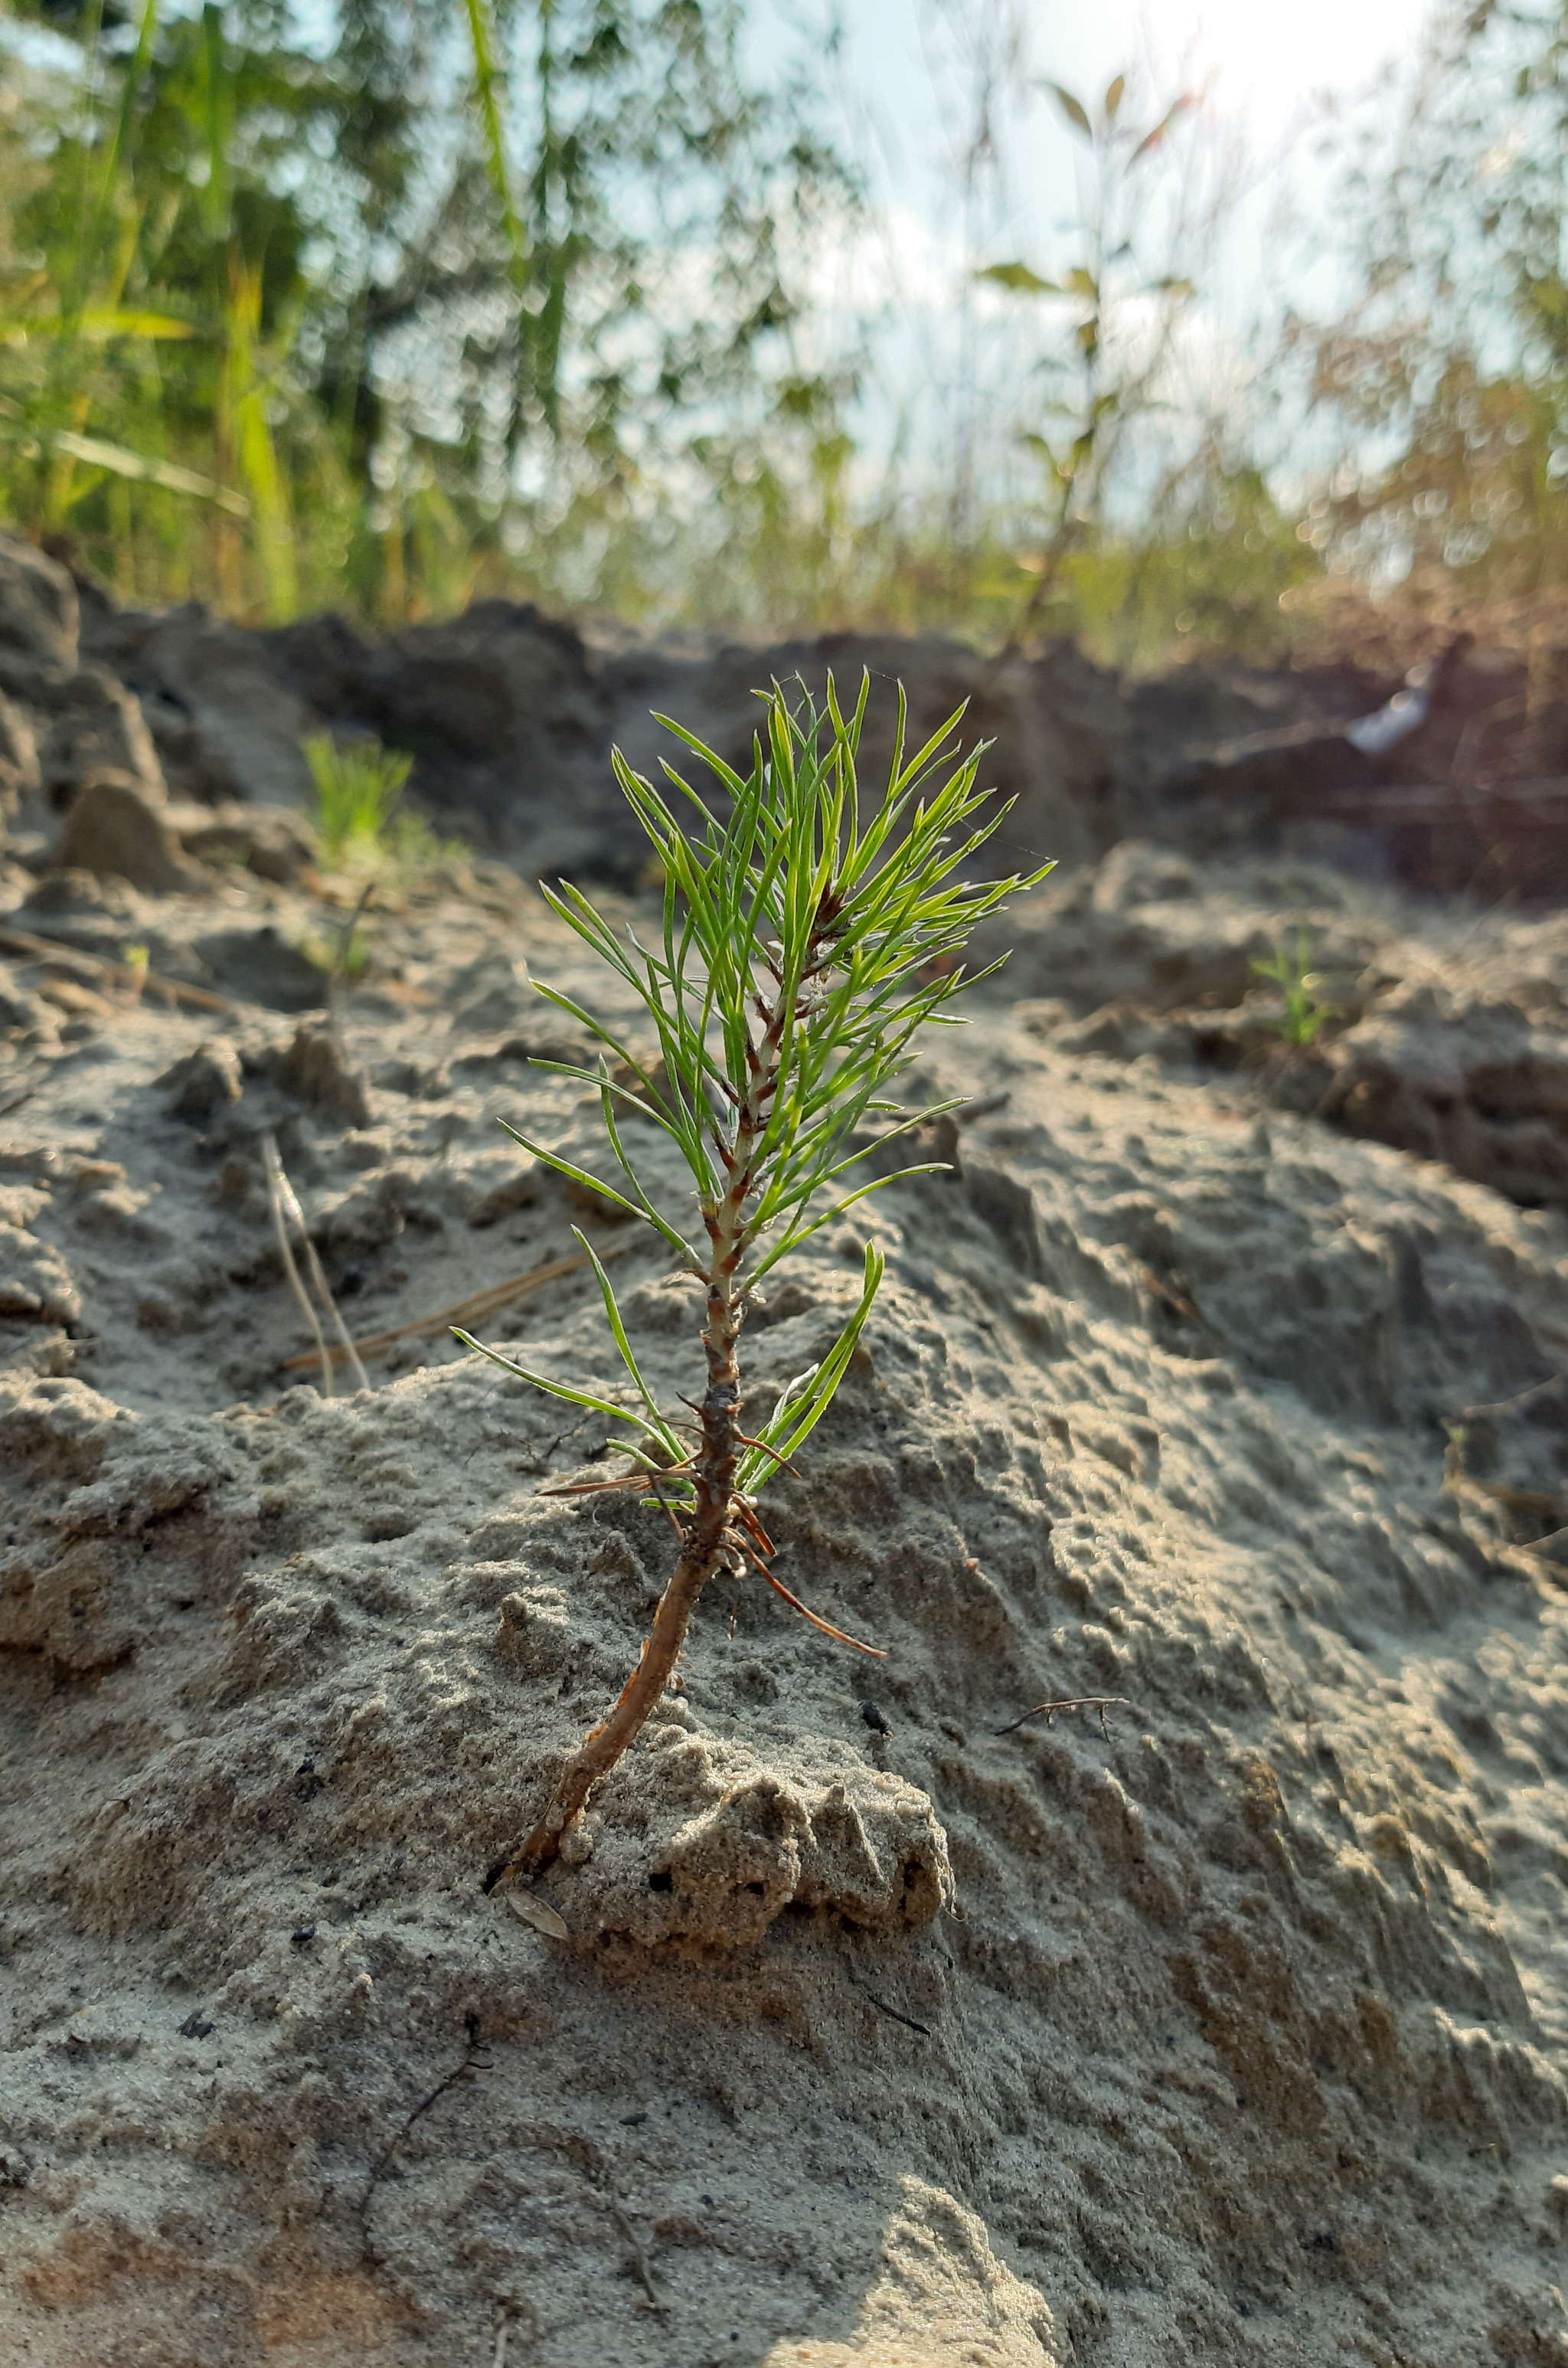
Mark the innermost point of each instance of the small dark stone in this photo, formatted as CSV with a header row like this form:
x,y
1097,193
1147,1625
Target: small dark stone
x,y
629,2121
663,1881
195,2026
302,1935
874,1718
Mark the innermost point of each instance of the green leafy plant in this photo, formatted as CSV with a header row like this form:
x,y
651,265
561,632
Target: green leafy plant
x,y
1117,380
357,787
805,942
1303,1018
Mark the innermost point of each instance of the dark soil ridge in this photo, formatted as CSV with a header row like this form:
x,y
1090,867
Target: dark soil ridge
x,y
511,716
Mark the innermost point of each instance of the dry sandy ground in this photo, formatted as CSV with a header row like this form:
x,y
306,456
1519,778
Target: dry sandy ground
x,y
1233,2030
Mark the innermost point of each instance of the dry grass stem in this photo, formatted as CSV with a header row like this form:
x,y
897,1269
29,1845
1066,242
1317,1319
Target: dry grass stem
x,y
892,2012
471,1310
286,1208
275,1193
118,973
623,2219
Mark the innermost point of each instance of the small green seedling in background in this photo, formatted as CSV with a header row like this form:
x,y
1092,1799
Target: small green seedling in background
x,y
361,824
1303,1018
358,786
804,944
137,961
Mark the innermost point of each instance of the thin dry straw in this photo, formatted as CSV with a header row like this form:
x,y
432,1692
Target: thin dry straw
x,y
468,1311
277,1186
285,1206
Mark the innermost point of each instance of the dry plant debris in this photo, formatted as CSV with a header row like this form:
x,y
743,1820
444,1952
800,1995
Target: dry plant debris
x,y
288,1216
471,1310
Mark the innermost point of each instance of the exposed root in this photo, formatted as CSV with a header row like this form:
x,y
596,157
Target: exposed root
x,y
841,1635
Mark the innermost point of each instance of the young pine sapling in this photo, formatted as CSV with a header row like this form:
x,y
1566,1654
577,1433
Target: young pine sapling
x,y
1303,1018
804,944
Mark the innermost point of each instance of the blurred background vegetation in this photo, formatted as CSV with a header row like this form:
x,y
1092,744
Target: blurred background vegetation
x,y
385,304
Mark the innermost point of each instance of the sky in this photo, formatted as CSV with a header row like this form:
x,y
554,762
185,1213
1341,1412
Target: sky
x,y
1262,61
1266,56
1264,70
945,359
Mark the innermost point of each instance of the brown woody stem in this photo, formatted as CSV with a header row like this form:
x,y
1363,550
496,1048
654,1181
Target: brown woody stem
x,y
602,1750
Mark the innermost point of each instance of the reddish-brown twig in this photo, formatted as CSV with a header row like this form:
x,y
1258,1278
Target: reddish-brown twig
x,y
877,1652
746,1515
631,1480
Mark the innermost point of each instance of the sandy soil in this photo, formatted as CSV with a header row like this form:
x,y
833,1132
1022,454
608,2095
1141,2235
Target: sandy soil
x,y
1232,2030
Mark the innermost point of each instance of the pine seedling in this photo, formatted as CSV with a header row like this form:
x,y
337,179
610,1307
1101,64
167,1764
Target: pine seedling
x,y
1305,1017
358,785
804,945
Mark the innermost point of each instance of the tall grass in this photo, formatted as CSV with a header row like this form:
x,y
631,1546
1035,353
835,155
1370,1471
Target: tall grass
x,y
148,409
280,328
401,325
